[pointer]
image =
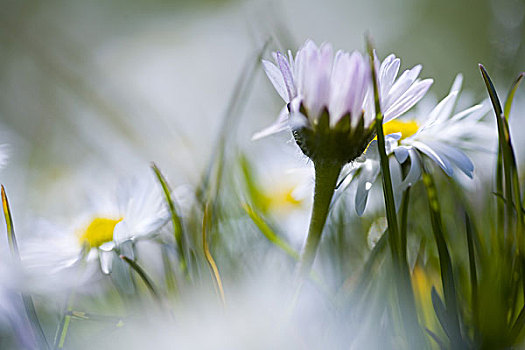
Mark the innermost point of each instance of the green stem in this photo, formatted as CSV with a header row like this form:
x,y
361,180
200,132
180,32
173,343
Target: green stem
x,y
396,242
144,276
326,175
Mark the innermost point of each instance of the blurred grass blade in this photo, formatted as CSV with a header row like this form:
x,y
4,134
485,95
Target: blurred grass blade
x,y
269,233
517,328
441,312
13,245
169,278
436,339
510,96
445,262
178,230
63,327
209,258
143,275
473,274
238,100
26,299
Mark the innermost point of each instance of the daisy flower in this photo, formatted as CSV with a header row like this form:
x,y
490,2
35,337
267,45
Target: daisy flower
x,y
136,211
440,135
320,89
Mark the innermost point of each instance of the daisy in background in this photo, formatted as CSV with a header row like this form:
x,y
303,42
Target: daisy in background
x,y
136,211
440,136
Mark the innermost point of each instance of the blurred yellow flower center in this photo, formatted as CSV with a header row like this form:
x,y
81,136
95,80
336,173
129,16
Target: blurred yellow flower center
x,y
99,231
406,129
280,199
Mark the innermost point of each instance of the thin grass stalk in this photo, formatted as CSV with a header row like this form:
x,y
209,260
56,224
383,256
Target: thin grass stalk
x,y
178,229
144,276
209,258
473,277
445,263
27,300
402,274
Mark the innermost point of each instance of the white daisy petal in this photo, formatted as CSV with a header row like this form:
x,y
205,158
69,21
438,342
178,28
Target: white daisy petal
x,y
408,99
281,124
106,261
414,173
396,176
286,72
401,154
456,156
276,78
440,159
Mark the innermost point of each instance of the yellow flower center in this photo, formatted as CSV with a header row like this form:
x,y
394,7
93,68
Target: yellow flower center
x,y
281,199
406,129
99,231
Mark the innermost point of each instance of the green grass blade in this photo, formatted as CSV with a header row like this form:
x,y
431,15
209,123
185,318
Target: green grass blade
x,y
269,233
26,299
510,96
178,228
512,187
441,312
445,262
143,275
402,280
473,273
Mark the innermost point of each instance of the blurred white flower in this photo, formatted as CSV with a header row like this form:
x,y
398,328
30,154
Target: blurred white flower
x,y
136,211
4,155
438,135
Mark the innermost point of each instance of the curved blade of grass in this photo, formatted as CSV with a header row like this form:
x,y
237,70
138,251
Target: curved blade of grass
x,y
209,258
512,187
178,229
143,275
517,328
510,96
269,233
441,312
436,339
26,299
445,262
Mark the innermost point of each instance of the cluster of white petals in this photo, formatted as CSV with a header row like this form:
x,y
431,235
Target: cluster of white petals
x,y
341,84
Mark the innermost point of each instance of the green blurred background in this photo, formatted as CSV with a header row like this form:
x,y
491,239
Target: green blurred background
x,y
98,88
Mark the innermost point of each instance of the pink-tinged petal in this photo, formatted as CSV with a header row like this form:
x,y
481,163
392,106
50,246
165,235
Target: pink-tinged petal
x,y
408,100
276,78
281,124
287,76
